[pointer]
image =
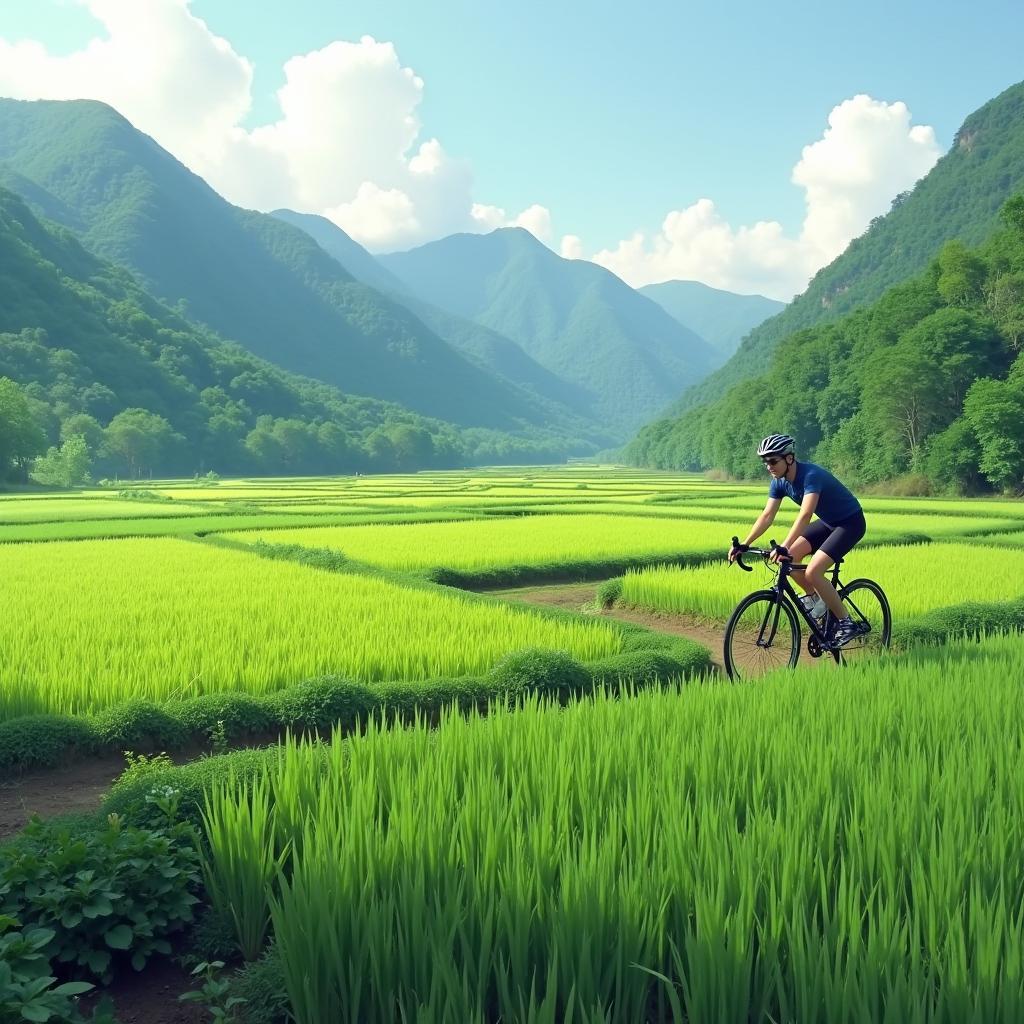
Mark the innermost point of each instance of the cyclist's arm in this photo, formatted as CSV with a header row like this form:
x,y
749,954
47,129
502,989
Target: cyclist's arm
x,y
764,520
796,531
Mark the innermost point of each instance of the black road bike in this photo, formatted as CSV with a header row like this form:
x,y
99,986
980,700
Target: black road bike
x,y
763,632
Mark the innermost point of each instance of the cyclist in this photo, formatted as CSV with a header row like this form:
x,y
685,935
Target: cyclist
x,y
839,527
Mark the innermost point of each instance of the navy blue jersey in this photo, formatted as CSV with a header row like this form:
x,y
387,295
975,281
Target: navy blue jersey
x,y
835,502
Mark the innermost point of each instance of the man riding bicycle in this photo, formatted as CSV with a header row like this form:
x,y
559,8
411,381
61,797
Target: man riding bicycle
x,y
839,527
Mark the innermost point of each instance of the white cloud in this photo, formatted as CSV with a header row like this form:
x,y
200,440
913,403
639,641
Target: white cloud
x,y
571,247
346,144
137,68
868,153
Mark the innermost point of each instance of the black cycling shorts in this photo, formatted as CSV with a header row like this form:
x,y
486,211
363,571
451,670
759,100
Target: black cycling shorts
x,y
836,541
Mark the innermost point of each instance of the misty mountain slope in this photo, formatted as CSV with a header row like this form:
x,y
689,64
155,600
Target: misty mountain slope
x,y
721,318
576,319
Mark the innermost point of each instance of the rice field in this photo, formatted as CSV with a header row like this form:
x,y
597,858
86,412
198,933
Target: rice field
x,y
485,544
915,578
89,624
720,853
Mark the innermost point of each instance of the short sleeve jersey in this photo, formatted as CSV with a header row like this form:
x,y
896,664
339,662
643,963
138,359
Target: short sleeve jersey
x,y
835,502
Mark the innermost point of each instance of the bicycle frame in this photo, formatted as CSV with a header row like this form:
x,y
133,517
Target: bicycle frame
x,y
783,589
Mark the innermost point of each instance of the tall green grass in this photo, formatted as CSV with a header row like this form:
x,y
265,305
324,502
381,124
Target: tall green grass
x,y
778,852
90,624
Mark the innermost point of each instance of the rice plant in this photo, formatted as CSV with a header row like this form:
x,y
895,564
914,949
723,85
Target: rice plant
x,y
720,853
90,624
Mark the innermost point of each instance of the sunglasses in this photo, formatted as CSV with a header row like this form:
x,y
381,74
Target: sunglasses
x,y
771,462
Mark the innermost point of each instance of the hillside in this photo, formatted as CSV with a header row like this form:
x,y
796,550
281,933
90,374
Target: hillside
x,y
490,350
721,318
577,320
248,276
928,381
959,198
86,343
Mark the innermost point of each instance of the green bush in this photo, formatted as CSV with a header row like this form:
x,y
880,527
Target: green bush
x,y
130,795
120,890
537,670
609,592
240,713
324,703
636,666
139,725
38,741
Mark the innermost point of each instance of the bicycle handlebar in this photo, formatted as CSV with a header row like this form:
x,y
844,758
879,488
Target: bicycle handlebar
x,y
763,552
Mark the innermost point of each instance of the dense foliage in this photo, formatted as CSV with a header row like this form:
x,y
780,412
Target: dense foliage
x,y
959,198
928,381
150,392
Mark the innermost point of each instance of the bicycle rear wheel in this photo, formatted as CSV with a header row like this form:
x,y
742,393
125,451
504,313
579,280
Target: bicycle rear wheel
x,y
762,634
869,608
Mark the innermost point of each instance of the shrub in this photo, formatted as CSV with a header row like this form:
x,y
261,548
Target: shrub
x,y
123,889
324,703
609,592
536,670
139,725
637,666
241,714
41,741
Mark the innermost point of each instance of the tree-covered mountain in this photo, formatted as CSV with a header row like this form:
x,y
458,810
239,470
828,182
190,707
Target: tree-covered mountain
x,y
489,349
576,319
928,381
347,251
249,276
959,198
91,355
721,318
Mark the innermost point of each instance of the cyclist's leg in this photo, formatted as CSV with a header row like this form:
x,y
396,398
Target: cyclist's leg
x,y
812,539
838,544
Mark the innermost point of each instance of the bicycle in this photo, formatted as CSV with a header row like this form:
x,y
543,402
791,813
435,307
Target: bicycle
x,y
763,632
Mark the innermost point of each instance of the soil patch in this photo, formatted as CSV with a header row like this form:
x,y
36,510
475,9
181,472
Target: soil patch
x,y
151,996
74,789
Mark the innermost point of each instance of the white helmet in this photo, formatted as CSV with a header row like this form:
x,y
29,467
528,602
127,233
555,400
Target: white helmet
x,y
775,444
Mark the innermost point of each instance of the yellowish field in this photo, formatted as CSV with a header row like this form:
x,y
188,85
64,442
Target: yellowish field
x,y
93,623
521,540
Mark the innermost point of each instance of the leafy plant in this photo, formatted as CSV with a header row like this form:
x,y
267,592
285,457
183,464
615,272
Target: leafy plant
x,y
27,989
215,993
120,890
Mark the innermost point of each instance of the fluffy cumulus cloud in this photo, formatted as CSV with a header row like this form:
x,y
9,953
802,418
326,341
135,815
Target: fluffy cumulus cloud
x,y
869,153
346,144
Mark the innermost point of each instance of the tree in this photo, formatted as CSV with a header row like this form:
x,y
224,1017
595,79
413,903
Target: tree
x,y
1012,212
995,411
903,398
961,274
20,436
66,466
87,427
139,438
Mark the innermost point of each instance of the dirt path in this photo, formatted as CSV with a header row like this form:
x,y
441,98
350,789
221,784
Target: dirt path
x,y
580,597
76,788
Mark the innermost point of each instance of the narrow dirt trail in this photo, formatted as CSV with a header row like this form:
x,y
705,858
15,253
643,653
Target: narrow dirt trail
x,y
579,597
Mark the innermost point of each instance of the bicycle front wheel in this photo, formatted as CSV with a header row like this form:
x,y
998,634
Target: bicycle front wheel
x,y
762,634
869,608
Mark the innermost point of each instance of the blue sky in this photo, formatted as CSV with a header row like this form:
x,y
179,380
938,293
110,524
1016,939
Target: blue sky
x,y
609,115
